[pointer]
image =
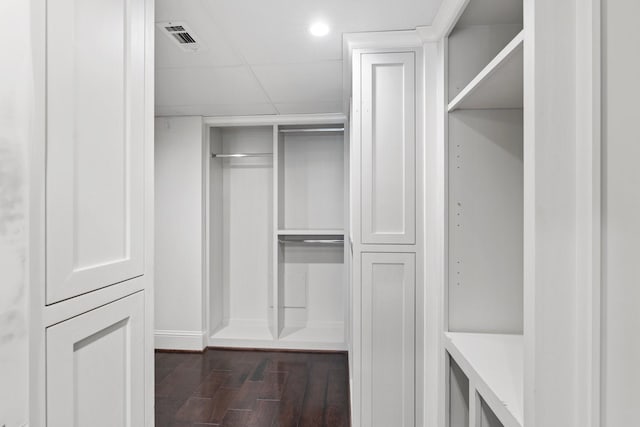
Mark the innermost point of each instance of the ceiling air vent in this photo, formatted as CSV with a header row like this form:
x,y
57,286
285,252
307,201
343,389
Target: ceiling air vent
x,y
182,36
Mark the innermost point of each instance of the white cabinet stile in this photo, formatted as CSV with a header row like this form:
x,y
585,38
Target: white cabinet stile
x,y
276,316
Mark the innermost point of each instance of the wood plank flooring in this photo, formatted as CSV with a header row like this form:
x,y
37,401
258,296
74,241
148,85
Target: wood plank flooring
x,y
251,389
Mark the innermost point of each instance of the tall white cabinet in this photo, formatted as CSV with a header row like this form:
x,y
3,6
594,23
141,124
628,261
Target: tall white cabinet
x,y
385,234
91,241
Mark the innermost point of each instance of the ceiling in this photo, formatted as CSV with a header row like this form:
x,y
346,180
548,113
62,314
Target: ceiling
x,y
259,57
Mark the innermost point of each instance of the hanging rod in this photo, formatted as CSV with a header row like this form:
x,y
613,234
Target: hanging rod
x,y
299,130
323,241
237,155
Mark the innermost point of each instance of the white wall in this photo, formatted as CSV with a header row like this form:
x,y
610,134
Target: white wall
x,y
621,214
179,296
16,108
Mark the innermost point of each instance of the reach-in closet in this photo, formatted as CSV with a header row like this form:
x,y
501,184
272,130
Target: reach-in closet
x,y
277,217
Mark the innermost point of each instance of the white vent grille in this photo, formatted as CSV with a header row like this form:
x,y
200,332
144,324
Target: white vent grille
x,y
182,36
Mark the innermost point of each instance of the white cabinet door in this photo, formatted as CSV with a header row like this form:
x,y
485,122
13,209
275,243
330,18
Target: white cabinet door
x,y
388,148
95,141
388,341
95,367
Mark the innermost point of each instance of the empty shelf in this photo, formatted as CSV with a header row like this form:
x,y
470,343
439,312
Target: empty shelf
x,y
323,334
499,85
494,364
243,330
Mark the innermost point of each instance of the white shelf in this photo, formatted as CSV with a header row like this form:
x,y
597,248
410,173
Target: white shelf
x,y
311,232
499,85
333,334
494,365
243,330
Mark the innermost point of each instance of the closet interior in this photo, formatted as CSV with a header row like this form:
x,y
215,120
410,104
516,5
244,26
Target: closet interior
x,y
277,216
484,320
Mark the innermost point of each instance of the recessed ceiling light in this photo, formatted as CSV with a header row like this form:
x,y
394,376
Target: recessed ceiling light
x,y
319,29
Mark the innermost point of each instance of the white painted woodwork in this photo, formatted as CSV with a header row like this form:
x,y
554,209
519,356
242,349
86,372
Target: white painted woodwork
x,y
90,199
494,364
499,84
16,135
388,148
388,289
271,120
485,291
95,367
561,149
179,232
276,297
95,145
386,181
621,215
434,255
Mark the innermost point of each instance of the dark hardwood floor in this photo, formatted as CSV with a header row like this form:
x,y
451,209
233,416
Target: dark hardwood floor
x,y
251,389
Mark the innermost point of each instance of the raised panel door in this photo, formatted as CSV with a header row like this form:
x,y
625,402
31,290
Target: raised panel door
x,y
95,367
95,144
388,339
388,148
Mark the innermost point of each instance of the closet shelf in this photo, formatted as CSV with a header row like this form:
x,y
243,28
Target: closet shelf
x,y
499,85
494,365
327,334
311,232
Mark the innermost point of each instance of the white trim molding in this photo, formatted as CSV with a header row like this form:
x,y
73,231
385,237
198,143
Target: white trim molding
x,y
589,211
443,22
447,16
180,340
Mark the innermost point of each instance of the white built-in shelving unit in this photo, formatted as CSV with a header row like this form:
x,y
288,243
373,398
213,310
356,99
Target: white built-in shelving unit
x,y
483,334
277,218
493,363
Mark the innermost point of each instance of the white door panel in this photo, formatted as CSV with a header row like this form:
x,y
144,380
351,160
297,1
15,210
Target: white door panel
x,y
95,367
388,148
388,339
95,142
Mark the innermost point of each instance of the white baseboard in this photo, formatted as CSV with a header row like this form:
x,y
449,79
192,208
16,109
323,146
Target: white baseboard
x,y
180,340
